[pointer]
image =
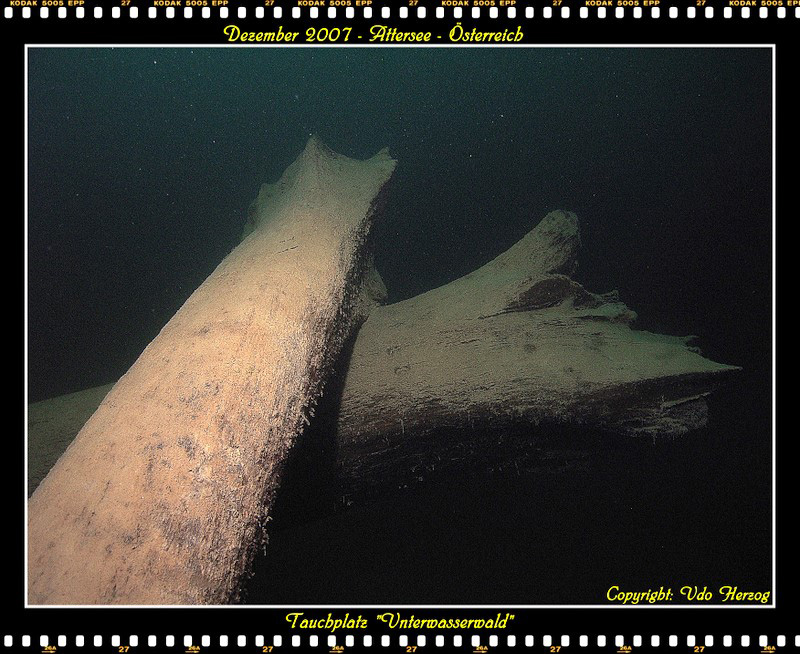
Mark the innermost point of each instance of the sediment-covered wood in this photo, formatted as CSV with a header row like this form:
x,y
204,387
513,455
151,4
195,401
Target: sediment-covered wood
x,y
163,495
516,341
452,377
485,371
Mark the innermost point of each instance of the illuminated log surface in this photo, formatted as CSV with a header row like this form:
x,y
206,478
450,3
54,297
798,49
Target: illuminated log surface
x,y
162,496
469,374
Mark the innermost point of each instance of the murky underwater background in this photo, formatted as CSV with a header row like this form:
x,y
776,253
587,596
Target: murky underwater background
x,y
143,163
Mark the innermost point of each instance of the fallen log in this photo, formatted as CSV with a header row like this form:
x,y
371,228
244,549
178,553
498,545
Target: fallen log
x,y
432,381
516,341
163,496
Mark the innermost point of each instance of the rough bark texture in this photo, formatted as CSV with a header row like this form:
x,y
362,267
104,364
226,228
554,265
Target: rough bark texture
x,y
162,496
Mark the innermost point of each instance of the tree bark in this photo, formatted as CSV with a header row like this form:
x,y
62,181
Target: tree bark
x,y
164,493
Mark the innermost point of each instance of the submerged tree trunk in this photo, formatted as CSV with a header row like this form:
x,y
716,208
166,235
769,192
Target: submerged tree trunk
x,y
162,496
516,341
433,380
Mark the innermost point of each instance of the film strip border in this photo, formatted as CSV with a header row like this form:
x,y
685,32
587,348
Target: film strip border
x,y
476,643
222,9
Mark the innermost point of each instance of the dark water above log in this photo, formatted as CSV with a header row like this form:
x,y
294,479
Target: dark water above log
x,y
142,166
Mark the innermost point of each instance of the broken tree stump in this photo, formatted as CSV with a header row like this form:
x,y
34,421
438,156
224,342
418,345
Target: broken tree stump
x,y
162,496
